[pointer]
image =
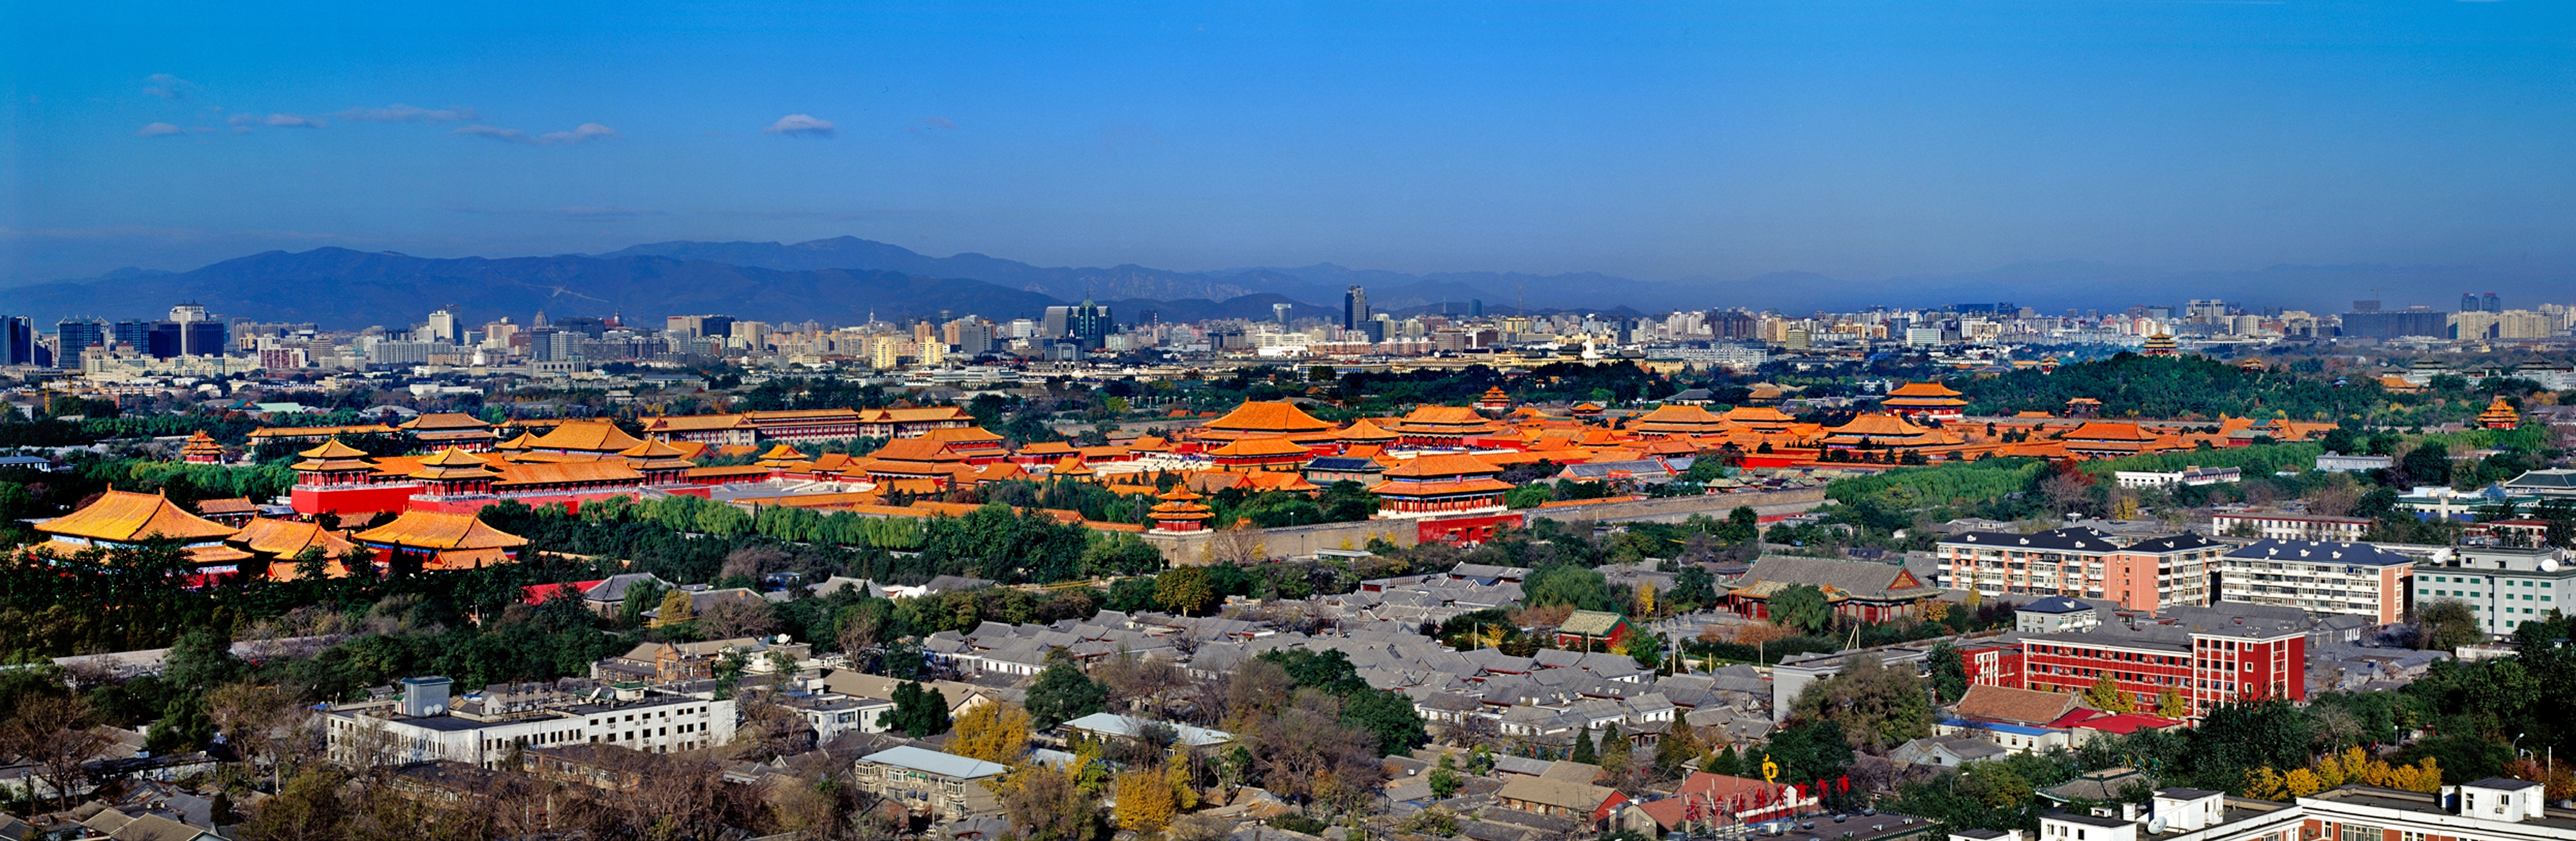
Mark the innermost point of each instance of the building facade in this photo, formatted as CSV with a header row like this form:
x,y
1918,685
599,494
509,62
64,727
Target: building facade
x,y
2319,577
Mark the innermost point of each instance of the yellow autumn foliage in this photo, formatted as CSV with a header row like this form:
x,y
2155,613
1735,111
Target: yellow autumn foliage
x,y
991,732
1144,800
2354,765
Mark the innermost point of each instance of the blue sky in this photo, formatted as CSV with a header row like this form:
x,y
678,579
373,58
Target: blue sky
x,y
1720,139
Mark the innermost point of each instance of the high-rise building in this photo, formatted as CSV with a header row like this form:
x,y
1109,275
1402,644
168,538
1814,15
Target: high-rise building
x,y
2468,302
1058,323
2491,303
443,327
17,340
1475,308
1090,324
974,338
1355,308
73,336
1279,313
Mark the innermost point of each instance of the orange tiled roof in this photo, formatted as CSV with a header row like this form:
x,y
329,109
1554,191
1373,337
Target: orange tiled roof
x,y
691,423
1440,488
1923,389
452,463
289,538
920,415
964,435
566,472
1072,466
444,422
916,449
1879,426
1363,430
1047,448
124,517
2107,431
591,436
1259,416
417,529
1444,464
1258,447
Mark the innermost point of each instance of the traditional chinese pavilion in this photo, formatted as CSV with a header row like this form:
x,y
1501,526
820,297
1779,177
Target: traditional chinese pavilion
x,y
1918,401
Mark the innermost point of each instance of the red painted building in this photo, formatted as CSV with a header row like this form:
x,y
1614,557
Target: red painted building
x,y
2208,658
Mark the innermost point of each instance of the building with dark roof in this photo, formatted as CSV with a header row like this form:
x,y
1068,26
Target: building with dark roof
x,y
2340,578
1863,590
2082,563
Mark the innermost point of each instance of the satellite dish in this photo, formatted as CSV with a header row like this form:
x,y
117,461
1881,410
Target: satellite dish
x,y
2549,565
2156,825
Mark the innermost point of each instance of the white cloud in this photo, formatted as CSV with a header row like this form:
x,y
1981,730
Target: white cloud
x,y
802,125
583,133
277,120
166,86
400,113
159,130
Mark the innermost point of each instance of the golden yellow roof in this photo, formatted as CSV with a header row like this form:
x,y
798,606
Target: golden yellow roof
x,y
333,449
1879,426
651,449
524,441
1924,389
438,530
592,436
1072,466
201,442
782,451
1259,447
286,539
445,421
1443,464
125,517
1363,430
1258,416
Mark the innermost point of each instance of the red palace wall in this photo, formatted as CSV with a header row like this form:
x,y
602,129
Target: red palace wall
x,y
1465,529
351,499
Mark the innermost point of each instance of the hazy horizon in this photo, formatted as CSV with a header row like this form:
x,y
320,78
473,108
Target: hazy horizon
x,y
1861,141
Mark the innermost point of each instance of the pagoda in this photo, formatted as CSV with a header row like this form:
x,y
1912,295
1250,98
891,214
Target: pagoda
x,y
782,459
1180,511
2049,364
1260,454
661,463
1885,431
599,437
1494,400
1762,419
1362,433
332,464
2160,345
202,449
915,458
2111,439
442,541
123,520
1678,419
454,472
1072,467
452,429
1440,486
1441,426
1925,400
1260,418
1586,409
2499,415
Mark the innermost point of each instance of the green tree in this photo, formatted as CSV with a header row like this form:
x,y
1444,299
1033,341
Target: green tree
x,y
1677,747
1949,672
1444,777
1647,650
2446,624
1389,716
1583,751
2428,464
1810,751
1568,584
1063,693
919,713
1802,607
1694,586
1186,591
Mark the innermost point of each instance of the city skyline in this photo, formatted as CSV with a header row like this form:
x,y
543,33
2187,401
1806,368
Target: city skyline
x,y
1863,143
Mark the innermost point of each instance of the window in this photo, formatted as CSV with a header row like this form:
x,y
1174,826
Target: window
x,y
2358,832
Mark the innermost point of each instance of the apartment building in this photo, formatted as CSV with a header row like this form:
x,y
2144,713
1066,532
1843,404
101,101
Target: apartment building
x,y
2279,525
422,727
2491,809
2358,579
2082,563
941,786
2206,656
2506,586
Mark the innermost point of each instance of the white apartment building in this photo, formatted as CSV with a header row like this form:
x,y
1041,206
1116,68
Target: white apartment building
x,y
2319,577
2491,809
2505,586
2276,525
420,727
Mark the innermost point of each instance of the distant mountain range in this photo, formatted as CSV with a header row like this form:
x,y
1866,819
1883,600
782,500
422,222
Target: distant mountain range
x,y
845,279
